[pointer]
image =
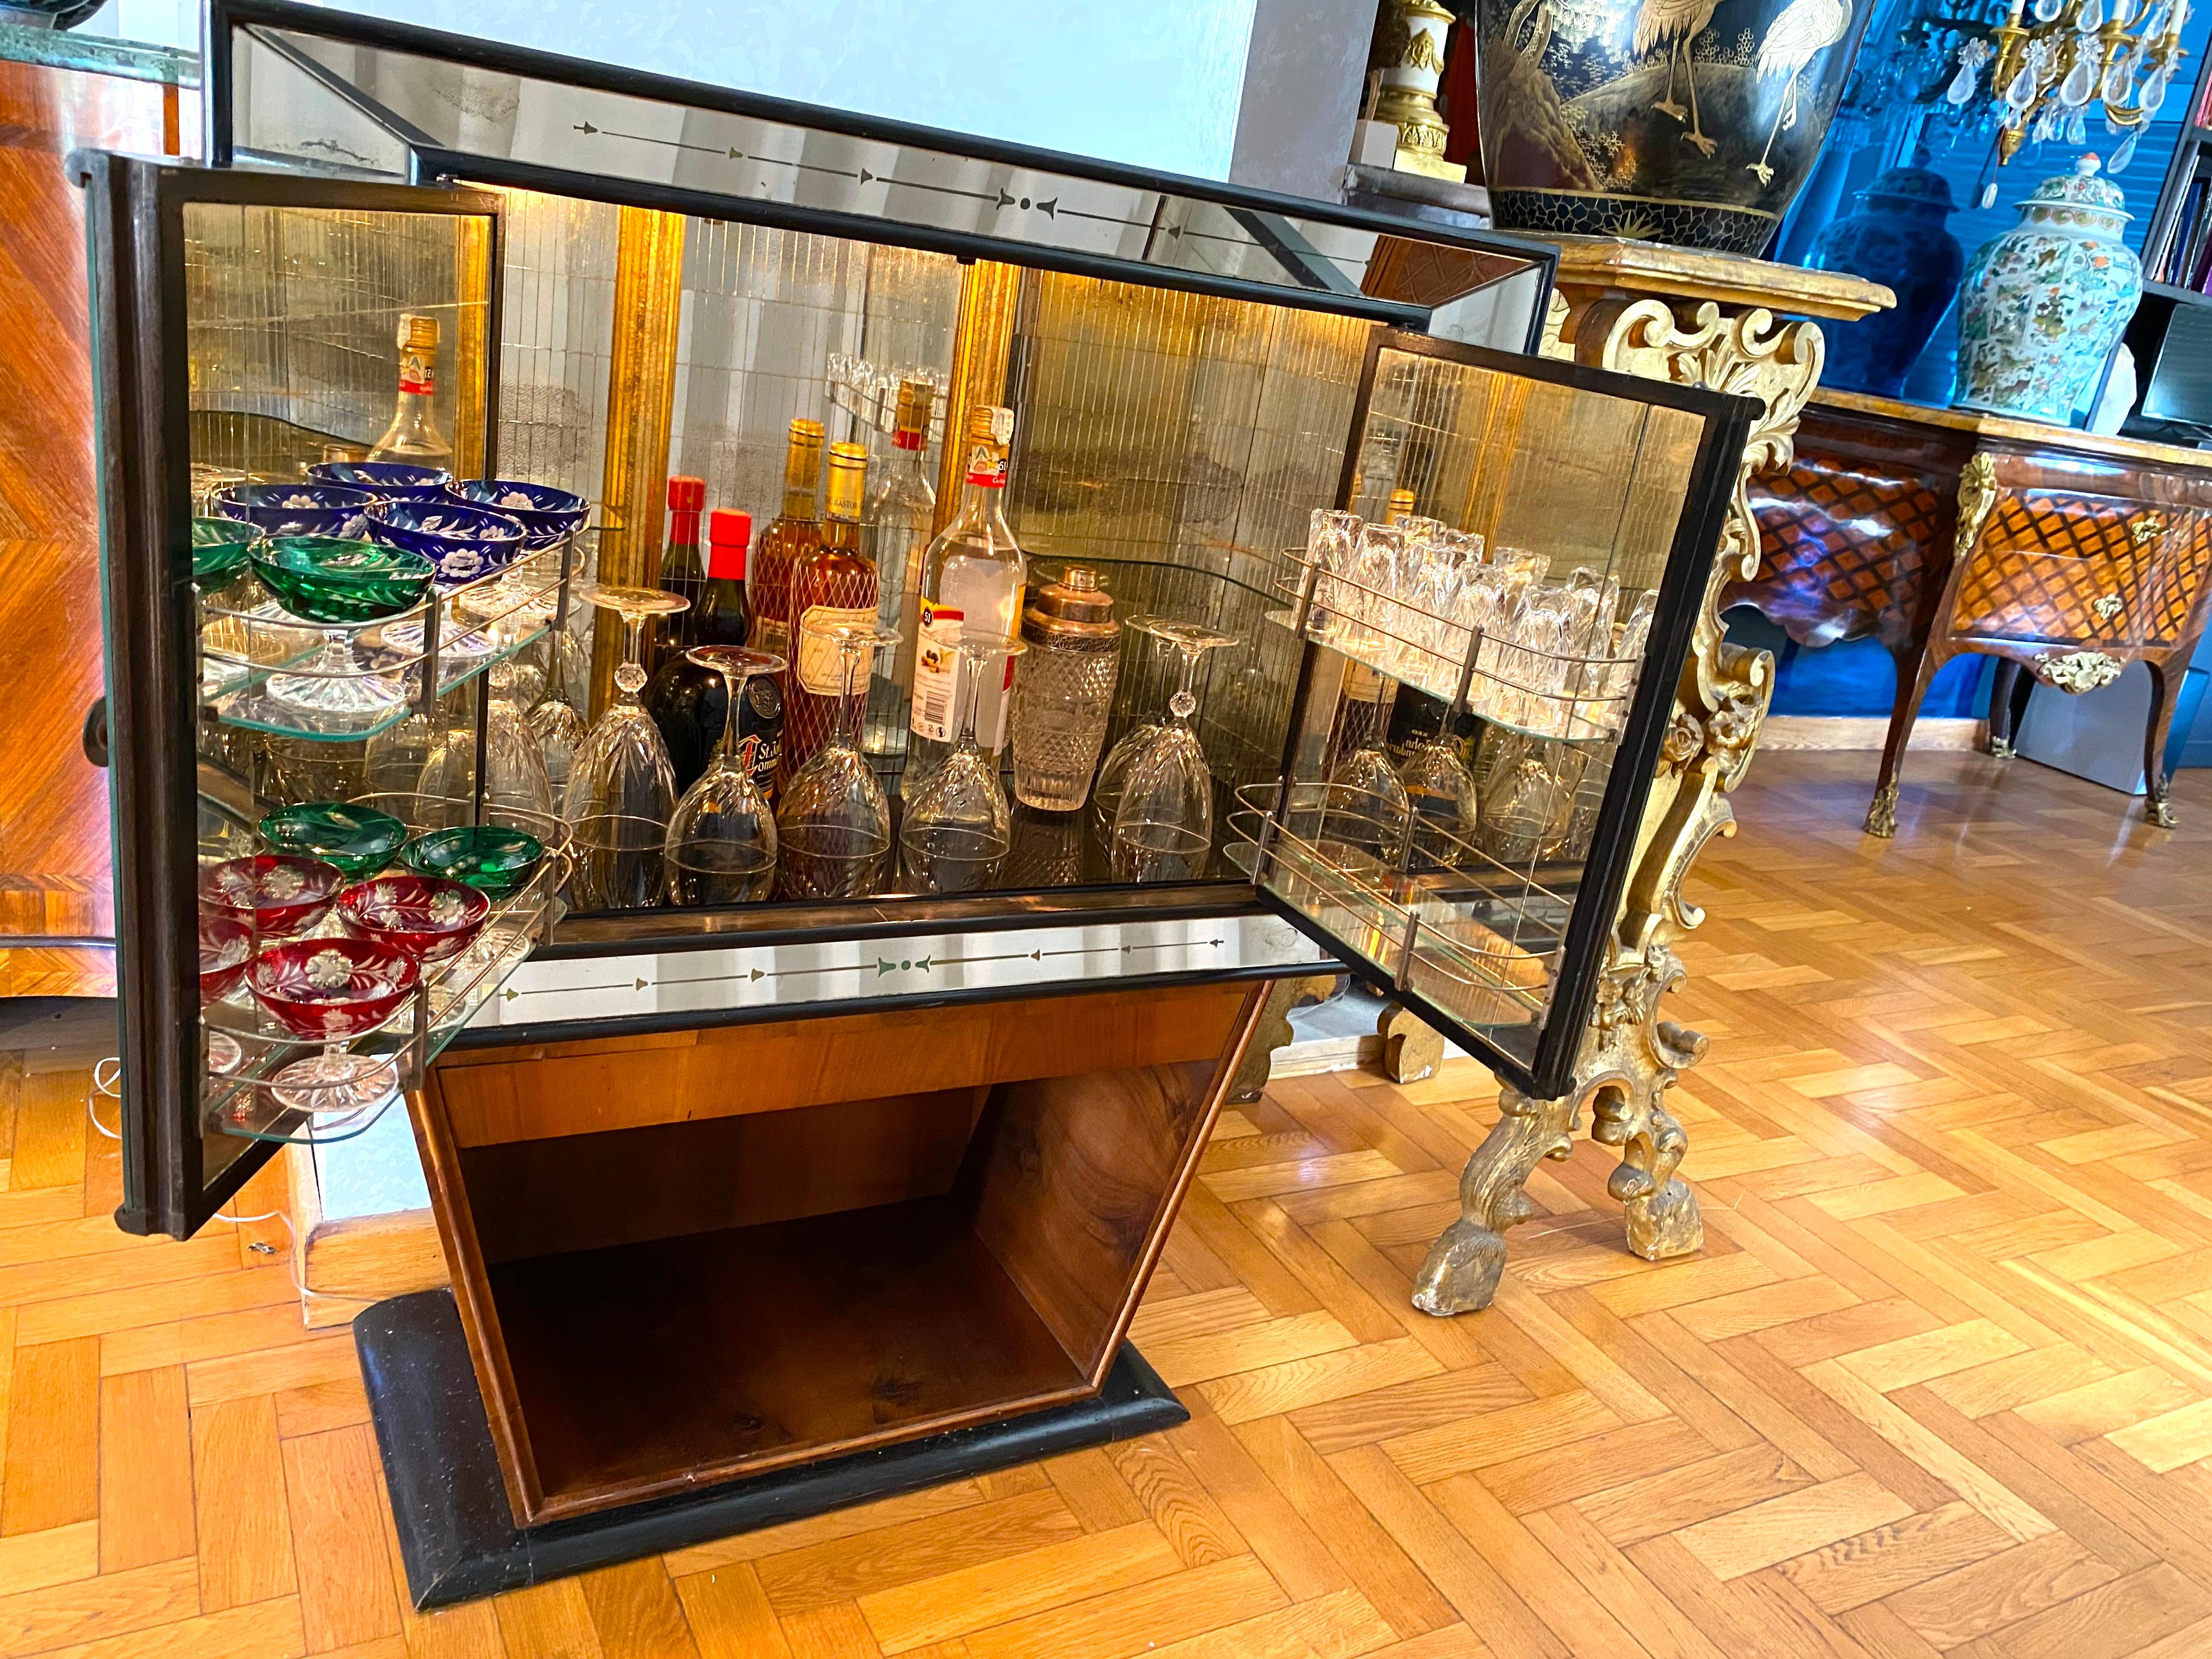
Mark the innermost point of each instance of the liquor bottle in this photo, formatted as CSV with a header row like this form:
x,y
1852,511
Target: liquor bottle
x,y
689,702
971,577
834,583
895,530
413,435
792,536
683,567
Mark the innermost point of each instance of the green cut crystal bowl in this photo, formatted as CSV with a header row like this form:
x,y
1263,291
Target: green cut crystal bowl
x,y
328,578
490,857
219,549
360,840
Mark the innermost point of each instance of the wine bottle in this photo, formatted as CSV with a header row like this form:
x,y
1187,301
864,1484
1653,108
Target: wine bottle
x,y
682,569
689,702
413,435
834,583
972,578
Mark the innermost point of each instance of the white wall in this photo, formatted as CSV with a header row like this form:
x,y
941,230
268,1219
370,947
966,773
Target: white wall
x,y
1150,82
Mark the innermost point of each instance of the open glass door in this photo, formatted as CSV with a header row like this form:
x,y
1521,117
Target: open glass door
x,y
1493,625
248,327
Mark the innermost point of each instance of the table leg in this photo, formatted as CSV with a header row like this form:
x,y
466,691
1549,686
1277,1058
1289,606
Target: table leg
x,y
2165,686
1914,670
2007,700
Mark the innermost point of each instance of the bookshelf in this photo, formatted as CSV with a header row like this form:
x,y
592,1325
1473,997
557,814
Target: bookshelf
x,y
2177,249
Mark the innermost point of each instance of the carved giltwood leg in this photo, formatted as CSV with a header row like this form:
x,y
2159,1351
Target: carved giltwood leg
x,y
1631,1057
1460,1274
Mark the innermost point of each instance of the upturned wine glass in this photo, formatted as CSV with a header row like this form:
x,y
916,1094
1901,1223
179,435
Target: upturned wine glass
x,y
1444,800
516,789
621,788
834,824
1163,823
958,828
721,847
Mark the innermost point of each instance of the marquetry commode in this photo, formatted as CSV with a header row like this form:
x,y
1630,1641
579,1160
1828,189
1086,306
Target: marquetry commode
x,y
2063,555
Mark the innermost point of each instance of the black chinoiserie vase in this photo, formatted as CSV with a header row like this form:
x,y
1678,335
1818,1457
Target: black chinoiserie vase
x,y
1895,236
1685,121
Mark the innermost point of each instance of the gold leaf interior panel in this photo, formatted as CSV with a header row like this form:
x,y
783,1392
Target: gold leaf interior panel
x,y
1176,443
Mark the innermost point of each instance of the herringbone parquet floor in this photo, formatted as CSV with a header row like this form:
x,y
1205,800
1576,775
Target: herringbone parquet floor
x,y
1941,1384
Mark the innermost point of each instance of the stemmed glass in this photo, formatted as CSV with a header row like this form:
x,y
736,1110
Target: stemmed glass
x,y
621,788
833,825
1164,824
957,828
1444,797
517,790
721,840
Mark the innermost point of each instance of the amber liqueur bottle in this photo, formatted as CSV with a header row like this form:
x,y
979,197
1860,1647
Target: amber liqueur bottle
x,y
834,583
689,703
795,533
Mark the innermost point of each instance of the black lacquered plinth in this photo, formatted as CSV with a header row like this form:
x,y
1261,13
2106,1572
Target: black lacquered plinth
x,y
456,1534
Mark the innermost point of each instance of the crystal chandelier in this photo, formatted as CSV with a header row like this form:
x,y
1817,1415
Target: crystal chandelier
x,y
2056,59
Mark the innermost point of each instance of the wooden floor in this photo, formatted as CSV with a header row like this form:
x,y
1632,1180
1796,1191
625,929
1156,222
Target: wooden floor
x,y
1941,1382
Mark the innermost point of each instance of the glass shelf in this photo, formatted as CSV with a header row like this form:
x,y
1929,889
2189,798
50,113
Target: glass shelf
x,y
1477,937
508,610
240,1101
1489,695
98,54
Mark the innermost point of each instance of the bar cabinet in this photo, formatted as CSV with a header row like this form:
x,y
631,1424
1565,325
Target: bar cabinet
x,y
755,1209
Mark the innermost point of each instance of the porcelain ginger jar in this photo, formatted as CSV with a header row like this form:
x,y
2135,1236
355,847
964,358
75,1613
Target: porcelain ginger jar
x,y
2044,303
1895,236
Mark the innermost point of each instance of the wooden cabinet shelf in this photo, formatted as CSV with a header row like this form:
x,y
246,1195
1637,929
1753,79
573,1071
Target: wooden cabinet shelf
x,y
646,1367
698,1257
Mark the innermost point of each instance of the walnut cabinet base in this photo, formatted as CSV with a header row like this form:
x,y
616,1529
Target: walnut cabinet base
x,y
459,1539
699,1259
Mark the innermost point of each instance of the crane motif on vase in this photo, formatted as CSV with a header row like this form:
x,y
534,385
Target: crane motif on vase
x,y
1671,25
1805,30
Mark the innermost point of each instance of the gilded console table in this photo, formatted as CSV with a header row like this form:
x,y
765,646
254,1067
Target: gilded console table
x,y
1939,532
1694,319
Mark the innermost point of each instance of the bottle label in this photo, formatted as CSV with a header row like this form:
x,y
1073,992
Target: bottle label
x,y
987,465
759,732
771,635
415,369
936,671
821,660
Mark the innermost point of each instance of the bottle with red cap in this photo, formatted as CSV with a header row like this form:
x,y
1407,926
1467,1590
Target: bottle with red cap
x,y
689,703
682,570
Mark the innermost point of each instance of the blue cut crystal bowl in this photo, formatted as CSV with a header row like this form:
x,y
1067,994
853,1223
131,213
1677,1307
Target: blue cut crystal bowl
x,y
545,513
463,542
388,480
295,509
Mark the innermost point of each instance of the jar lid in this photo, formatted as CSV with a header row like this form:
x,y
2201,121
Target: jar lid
x,y
1075,609
1916,183
2083,188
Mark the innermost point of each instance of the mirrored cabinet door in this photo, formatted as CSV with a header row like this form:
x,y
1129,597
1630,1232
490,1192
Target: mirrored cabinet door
x,y
1492,621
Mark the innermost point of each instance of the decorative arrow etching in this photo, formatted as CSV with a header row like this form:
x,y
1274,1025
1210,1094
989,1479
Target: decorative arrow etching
x,y
731,151
883,965
996,197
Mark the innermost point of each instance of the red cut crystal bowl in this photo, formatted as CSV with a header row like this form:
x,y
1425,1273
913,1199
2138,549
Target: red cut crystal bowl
x,y
226,946
330,990
274,894
424,917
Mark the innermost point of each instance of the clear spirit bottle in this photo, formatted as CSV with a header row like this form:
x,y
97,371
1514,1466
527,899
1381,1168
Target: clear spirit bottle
x,y
971,579
894,529
413,435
